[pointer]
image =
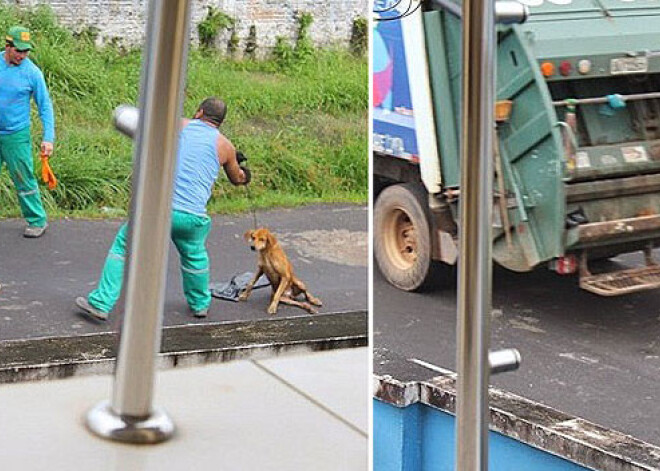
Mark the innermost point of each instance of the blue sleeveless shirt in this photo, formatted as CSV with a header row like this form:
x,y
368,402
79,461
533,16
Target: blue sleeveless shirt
x,y
197,167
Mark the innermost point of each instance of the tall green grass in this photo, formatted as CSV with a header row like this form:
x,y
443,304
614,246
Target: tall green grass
x,y
303,127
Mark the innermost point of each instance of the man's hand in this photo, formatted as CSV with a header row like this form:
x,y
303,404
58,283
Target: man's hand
x,y
47,148
247,175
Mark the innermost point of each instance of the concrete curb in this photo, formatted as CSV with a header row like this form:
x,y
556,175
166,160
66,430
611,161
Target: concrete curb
x,y
63,357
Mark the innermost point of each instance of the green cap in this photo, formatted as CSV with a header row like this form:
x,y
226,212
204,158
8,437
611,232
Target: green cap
x,y
20,36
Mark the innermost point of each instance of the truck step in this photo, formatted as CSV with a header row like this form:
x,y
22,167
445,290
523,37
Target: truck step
x,y
622,282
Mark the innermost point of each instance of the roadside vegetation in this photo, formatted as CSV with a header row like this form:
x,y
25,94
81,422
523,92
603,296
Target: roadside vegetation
x,y
299,117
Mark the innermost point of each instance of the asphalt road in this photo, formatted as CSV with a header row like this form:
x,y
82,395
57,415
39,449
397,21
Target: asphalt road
x,y
40,278
593,357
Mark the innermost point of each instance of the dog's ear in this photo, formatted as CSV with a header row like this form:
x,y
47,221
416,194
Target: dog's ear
x,y
248,235
271,239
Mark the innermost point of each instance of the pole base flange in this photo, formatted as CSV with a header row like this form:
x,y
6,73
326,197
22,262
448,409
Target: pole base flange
x,y
106,423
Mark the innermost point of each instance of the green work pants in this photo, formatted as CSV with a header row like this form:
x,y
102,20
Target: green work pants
x,y
16,153
189,233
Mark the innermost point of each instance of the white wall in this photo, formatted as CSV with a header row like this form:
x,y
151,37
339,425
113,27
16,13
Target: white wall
x,y
125,19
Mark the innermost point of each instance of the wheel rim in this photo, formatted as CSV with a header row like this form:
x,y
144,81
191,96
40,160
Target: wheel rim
x,y
400,238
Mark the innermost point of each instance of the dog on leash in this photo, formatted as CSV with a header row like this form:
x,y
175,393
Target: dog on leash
x,y
274,263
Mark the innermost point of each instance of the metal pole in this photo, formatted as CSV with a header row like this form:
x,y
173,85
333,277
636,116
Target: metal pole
x,y
474,289
130,417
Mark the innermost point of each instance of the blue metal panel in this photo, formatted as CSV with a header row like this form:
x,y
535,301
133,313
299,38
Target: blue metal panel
x,y
397,443
420,438
507,453
439,440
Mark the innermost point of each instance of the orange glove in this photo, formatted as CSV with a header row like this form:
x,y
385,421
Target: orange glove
x,y
47,174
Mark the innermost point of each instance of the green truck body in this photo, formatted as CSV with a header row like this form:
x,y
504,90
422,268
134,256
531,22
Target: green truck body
x,y
578,145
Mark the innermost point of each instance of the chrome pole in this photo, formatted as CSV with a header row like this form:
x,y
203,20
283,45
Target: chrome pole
x,y
130,416
474,288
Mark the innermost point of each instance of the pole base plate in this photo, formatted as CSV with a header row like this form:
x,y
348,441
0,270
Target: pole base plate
x,y
103,421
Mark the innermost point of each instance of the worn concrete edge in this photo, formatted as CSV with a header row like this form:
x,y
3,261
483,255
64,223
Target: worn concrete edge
x,y
395,392
532,423
187,345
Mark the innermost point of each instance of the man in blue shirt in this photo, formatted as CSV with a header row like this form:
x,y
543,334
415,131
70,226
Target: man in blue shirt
x,y
203,150
21,79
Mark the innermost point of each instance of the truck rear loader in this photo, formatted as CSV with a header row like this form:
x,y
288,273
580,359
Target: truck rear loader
x,y
577,152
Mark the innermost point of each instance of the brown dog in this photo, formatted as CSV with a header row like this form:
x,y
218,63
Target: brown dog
x,y
275,264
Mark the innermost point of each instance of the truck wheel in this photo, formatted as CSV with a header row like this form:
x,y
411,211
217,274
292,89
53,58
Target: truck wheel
x,y
402,237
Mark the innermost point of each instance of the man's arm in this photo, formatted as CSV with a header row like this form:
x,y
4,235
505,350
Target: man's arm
x,y
45,107
227,158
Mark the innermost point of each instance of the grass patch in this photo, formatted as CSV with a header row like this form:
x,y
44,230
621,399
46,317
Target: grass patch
x,y
303,128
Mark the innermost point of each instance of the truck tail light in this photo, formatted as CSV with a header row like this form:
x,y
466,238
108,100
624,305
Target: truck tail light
x,y
548,69
566,265
584,66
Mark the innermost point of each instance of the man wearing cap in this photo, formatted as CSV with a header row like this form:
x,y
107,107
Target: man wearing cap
x,y
21,79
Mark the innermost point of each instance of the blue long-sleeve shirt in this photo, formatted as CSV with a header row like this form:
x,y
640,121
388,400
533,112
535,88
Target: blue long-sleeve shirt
x,y
17,84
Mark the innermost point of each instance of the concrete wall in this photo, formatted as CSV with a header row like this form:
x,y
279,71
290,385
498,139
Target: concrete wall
x,y
124,20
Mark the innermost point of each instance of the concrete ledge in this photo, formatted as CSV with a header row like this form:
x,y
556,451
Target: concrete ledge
x,y
395,392
534,424
62,357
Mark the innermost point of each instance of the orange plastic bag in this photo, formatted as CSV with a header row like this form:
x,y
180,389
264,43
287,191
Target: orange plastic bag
x,y
47,174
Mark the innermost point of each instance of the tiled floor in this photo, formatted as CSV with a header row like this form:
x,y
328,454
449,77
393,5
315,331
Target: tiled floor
x,y
290,413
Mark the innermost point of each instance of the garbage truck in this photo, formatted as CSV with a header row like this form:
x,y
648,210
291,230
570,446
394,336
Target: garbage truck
x,y
577,150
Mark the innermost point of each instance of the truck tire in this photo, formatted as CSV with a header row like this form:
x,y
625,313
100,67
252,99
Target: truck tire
x,y
402,239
